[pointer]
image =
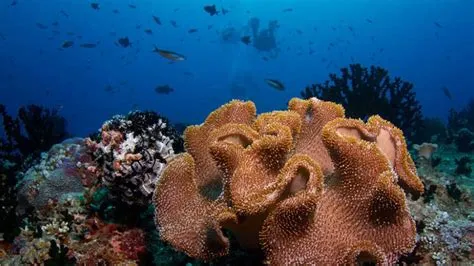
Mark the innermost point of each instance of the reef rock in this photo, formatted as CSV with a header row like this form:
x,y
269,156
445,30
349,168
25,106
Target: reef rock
x,y
60,173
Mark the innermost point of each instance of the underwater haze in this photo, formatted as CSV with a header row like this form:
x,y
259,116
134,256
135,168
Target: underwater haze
x,y
427,43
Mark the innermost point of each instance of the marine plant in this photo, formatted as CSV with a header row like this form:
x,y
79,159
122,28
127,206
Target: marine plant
x,y
368,91
305,186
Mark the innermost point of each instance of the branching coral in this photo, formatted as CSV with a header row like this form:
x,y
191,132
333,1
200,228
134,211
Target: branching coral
x,y
65,233
365,92
306,185
43,240
445,238
43,127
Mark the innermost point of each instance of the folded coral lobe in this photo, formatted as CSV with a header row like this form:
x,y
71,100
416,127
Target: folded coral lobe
x,y
188,196
314,115
391,138
199,138
185,218
361,215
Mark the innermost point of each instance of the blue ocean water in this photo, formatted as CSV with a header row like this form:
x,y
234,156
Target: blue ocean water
x,y
429,43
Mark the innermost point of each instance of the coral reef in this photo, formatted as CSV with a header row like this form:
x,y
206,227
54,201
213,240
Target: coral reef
x,y
62,171
54,225
64,200
302,186
454,165
73,215
65,233
444,215
43,128
370,91
444,235
305,185
131,152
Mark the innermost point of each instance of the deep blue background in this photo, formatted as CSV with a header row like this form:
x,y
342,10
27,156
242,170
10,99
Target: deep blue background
x,y
33,70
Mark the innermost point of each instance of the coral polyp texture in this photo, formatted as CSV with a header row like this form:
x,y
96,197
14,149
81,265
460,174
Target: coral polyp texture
x,y
306,186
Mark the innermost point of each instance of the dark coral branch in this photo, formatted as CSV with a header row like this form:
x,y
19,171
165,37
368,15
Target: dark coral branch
x,y
43,128
368,91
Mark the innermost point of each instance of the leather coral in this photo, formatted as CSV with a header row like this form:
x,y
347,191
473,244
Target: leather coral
x,y
307,186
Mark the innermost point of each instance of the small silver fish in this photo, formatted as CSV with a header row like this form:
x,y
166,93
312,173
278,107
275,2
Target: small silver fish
x,y
275,84
173,56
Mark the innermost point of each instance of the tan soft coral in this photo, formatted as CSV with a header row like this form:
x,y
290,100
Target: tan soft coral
x,y
306,185
314,115
198,139
185,218
361,203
